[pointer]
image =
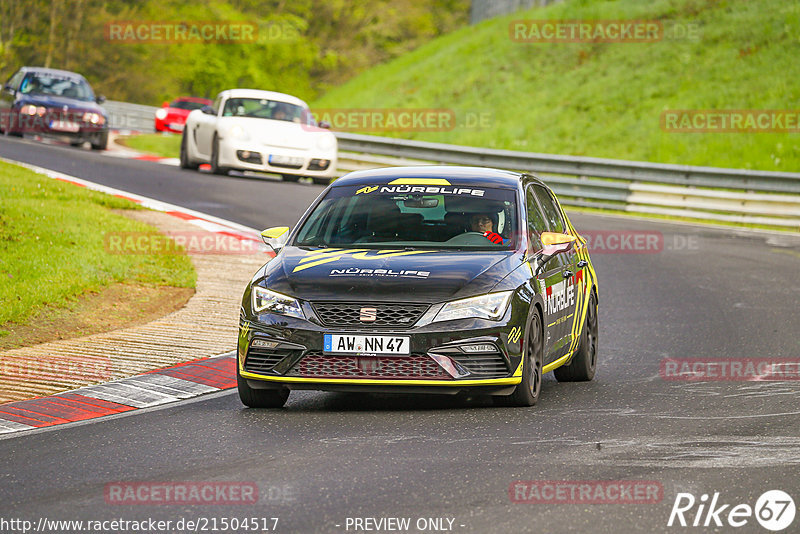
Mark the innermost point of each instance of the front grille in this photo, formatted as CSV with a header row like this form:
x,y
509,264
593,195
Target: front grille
x,y
482,365
349,313
261,360
315,364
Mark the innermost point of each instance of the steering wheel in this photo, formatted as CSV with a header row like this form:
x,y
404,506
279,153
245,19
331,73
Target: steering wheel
x,y
466,237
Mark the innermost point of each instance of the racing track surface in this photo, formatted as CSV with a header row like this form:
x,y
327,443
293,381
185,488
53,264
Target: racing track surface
x,y
326,457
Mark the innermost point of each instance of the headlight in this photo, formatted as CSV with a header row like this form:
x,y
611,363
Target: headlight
x,y
266,300
161,114
94,118
32,110
326,142
492,306
237,132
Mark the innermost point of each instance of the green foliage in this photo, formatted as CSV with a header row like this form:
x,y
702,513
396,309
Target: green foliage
x,y
302,46
604,99
164,145
52,246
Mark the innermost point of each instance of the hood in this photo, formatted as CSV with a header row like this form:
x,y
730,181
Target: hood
x,y
53,101
427,276
282,134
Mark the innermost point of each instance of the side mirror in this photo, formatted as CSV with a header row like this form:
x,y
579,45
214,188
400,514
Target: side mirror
x,y
100,99
324,124
554,243
275,237
165,105
8,89
208,110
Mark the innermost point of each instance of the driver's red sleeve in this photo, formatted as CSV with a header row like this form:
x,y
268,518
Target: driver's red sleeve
x,y
493,237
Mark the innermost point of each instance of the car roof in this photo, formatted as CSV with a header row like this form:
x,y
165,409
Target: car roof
x,y
455,175
58,72
257,93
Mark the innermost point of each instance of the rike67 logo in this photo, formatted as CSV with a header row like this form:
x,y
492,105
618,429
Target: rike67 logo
x,y
774,510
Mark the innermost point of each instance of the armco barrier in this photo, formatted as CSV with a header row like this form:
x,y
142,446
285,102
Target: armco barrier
x,y
732,195
126,116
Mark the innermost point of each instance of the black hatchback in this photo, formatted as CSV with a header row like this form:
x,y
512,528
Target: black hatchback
x,y
53,102
422,280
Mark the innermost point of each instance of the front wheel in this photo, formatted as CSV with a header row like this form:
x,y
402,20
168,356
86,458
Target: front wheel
x,y
260,398
215,167
186,163
584,363
528,391
100,141
290,177
320,180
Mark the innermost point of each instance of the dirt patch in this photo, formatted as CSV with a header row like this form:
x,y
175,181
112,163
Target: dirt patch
x,y
114,307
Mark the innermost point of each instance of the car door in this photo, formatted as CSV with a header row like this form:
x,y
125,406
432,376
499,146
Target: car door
x,y
560,290
205,128
545,277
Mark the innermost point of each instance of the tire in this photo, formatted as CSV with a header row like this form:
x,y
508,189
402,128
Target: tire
x,y
101,141
584,363
9,130
290,177
185,162
76,143
321,180
215,168
528,391
260,398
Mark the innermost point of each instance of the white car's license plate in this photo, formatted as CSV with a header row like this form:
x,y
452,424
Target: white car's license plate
x,y
285,160
65,126
360,344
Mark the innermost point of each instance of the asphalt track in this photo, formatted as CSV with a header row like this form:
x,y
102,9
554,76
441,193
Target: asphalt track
x,y
326,457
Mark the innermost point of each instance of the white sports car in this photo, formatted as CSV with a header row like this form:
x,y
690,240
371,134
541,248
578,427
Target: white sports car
x,y
247,129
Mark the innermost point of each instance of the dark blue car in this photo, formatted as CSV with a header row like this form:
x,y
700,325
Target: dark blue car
x,y
53,102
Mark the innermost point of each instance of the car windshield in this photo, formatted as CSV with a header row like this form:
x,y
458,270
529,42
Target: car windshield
x,y
187,104
50,84
413,216
264,109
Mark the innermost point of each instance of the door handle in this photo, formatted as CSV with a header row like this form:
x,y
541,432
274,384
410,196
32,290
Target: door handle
x,y
567,273
582,264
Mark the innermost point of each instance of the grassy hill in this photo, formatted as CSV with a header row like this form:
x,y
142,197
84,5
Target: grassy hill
x,y
605,99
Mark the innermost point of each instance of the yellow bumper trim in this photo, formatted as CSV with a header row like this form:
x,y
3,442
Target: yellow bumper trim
x,y
377,382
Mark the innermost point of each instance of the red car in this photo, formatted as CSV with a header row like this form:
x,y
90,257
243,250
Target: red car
x,y
172,115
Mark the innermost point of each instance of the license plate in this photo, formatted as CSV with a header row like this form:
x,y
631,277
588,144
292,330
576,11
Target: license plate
x,y
285,160
65,126
358,344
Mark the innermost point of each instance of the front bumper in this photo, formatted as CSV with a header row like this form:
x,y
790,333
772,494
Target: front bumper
x,y
230,156
436,363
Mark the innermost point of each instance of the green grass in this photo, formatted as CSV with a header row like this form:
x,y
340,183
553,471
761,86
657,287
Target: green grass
x,y
52,245
164,145
605,99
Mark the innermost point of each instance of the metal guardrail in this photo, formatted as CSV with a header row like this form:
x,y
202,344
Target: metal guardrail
x,y
734,195
127,116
